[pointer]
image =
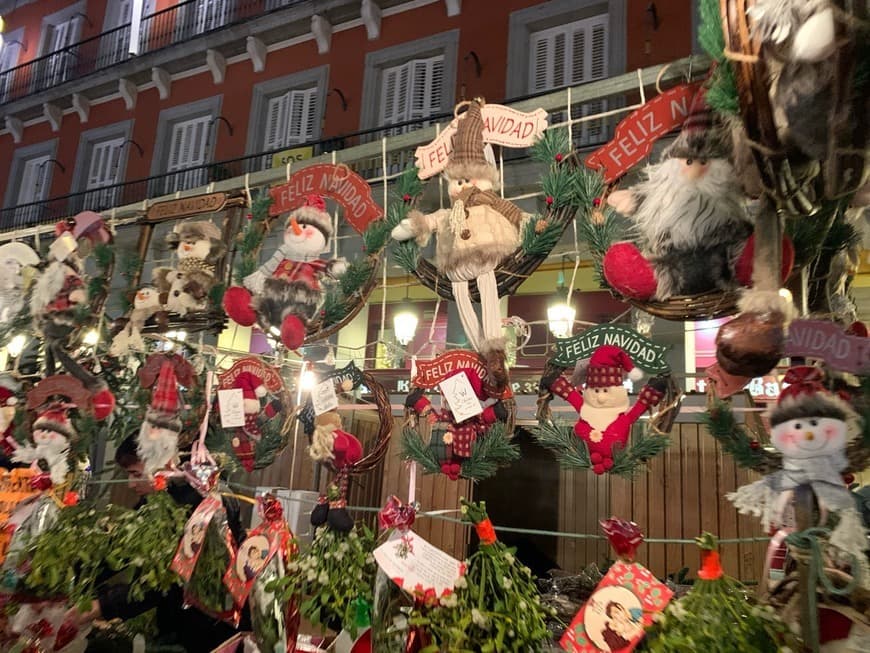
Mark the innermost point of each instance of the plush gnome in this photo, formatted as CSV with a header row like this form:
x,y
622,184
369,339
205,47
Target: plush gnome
x,y
198,246
332,445
9,389
811,428
52,433
690,224
460,436
157,442
146,303
606,415
474,236
285,293
14,258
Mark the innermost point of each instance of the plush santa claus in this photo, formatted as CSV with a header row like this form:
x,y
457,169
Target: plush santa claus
x,y
52,433
285,293
606,414
157,441
460,437
474,236
692,232
332,445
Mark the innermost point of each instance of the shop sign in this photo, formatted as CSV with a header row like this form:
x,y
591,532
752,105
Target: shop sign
x,y
186,206
293,155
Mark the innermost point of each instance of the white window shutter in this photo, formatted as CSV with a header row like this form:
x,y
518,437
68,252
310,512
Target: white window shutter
x,y
188,143
598,50
540,66
395,89
303,113
578,57
311,114
561,63
277,113
103,169
34,179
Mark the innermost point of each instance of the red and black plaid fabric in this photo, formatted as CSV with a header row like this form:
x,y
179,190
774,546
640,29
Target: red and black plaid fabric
x,y
164,397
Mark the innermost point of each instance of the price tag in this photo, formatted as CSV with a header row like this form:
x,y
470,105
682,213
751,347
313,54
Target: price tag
x,y
460,397
63,246
232,406
411,562
323,397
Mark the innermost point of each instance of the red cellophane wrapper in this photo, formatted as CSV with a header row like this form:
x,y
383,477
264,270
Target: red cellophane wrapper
x,y
624,536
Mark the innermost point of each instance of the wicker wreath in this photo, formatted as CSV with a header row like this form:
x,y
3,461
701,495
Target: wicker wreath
x,y
474,448
346,380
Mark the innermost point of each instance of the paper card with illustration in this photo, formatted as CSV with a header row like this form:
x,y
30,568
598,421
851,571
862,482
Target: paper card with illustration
x,y
614,617
324,398
417,566
252,557
194,535
461,398
231,403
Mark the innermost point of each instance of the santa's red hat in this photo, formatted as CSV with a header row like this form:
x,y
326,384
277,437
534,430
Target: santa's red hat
x,y
805,396
313,212
346,448
164,397
608,366
56,419
251,386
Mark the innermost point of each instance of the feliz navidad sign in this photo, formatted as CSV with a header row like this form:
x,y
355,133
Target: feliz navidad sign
x,y
336,182
643,352
431,373
501,126
634,136
827,341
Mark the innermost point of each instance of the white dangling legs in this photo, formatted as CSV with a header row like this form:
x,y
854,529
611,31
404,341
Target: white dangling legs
x,y
467,315
490,309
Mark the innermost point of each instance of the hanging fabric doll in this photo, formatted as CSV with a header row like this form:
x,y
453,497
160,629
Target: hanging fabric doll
x,y
285,293
811,428
332,445
158,437
198,246
14,258
473,237
52,433
606,414
693,233
254,391
9,388
460,437
146,303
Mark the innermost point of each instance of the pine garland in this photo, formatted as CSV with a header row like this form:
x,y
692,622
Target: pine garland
x,y
540,236
722,89
554,145
560,187
572,453
736,442
599,236
414,448
248,243
407,253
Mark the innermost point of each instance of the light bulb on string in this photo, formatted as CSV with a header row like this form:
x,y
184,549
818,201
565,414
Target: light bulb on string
x,y
405,321
560,314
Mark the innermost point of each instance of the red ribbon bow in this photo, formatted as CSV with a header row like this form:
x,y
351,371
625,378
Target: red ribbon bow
x,y
397,514
624,536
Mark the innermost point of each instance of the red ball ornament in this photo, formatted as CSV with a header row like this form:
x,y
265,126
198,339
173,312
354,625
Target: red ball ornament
x,y
103,403
250,216
754,445
848,479
406,198
549,200
71,498
596,202
559,158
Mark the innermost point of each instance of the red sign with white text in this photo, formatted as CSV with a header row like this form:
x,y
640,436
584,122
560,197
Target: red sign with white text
x,y
635,135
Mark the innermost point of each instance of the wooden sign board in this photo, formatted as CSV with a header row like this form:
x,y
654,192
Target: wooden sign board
x,y
186,207
635,135
337,182
501,126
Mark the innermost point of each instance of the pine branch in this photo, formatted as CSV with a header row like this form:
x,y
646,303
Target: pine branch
x,y
409,183
415,449
588,186
560,184
490,452
722,88
627,462
535,243
406,254
334,306
570,450
746,451
553,144
356,275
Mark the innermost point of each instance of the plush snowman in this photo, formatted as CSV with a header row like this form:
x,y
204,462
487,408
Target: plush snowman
x,y
146,302
810,428
52,434
285,293
606,414
198,246
14,258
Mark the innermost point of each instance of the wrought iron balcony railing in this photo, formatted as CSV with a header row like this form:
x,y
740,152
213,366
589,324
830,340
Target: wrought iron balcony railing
x,y
159,30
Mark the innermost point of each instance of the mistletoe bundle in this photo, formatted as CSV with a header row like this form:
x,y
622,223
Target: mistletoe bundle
x,y
716,616
495,607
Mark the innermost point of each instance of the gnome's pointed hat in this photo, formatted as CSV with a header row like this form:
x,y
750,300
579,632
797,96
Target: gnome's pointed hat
x,y
467,160
701,136
165,404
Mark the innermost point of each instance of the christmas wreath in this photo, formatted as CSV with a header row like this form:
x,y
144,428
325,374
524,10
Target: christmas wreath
x,y
295,294
472,446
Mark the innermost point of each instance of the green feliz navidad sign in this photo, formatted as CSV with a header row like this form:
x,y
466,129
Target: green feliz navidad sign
x,y
646,354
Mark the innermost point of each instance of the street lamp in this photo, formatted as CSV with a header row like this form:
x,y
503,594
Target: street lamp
x,y
560,314
405,322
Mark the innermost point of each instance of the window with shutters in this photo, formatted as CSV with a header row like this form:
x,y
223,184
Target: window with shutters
x,y
286,114
115,42
568,55
104,172
412,91
101,164
211,14
60,31
9,55
30,175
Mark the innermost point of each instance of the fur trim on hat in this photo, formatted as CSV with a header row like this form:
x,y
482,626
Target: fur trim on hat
x,y
820,404
194,229
64,429
474,170
315,217
163,420
753,300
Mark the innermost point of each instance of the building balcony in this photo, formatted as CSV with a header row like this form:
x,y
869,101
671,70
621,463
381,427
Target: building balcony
x,y
174,39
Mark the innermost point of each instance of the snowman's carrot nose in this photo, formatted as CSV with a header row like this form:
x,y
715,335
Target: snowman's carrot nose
x,y
295,227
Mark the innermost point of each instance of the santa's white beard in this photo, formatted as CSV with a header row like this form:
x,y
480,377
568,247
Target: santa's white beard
x,y
685,212
54,452
156,447
600,418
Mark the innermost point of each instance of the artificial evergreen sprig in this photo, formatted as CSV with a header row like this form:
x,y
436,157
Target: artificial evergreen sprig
x,y
250,240
407,253
334,577
540,236
495,606
736,442
722,87
553,147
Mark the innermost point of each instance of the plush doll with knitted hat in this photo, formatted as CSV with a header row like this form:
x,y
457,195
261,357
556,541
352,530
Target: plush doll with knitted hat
x,y
691,231
459,437
811,428
15,259
198,246
332,445
157,441
285,293
52,433
474,236
606,414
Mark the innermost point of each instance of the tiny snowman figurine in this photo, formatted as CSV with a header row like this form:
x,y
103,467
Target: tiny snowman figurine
x,y
810,427
473,237
606,414
198,246
285,293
